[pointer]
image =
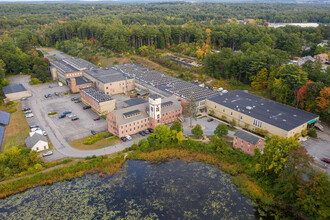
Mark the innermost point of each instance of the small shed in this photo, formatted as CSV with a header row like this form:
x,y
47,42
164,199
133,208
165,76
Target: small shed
x,y
37,142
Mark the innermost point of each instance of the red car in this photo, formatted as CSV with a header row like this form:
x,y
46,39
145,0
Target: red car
x,y
326,160
96,119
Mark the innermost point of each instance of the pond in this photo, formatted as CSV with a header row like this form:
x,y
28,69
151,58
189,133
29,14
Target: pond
x,y
141,190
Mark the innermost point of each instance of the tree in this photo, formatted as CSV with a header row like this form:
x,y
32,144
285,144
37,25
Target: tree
x,y
298,164
276,151
161,136
197,131
314,195
177,126
2,70
190,108
221,130
260,80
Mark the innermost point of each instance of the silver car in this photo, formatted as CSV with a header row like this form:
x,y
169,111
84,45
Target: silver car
x,y
47,153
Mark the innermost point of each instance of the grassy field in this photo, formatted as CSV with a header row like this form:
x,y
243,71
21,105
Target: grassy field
x,y
97,145
17,130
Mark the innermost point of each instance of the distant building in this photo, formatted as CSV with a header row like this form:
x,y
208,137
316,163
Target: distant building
x,y
247,142
139,117
15,92
323,58
37,142
301,60
248,20
99,101
253,112
62,71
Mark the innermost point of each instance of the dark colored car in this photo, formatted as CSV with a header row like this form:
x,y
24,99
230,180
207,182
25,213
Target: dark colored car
x,y
326,160
146,131
57,94
48,95
62,116
93,132
96,119
142,133
210,119
86,107
124,139
151,130
34,126
77,101
26,109
67,112
74,118
74,99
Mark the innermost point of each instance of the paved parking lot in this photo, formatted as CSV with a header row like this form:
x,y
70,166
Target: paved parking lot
x,y
319,147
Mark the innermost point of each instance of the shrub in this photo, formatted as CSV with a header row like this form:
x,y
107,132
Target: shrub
x,y
304,132
35,81
232,123
12,110
312,133
197,131
91,140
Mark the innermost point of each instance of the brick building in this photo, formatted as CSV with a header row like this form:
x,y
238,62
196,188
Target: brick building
x,y
99,101
247,142
139,117
76,83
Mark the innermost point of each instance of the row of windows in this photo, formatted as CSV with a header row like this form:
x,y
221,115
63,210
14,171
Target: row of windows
x,y
138,127
257,123
138,122
74,74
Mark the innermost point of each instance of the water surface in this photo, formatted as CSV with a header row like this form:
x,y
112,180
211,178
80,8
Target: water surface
x,y
172,190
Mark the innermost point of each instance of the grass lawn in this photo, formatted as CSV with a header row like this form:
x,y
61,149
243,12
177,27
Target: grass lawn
x,y
17,130
97,145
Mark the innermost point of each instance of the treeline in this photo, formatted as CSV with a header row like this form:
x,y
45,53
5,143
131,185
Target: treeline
x,y
177,13
119,37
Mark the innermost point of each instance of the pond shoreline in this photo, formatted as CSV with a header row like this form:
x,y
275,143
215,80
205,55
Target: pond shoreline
x,y
105,165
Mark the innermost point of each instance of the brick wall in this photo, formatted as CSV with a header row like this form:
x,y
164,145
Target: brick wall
x,y
247,147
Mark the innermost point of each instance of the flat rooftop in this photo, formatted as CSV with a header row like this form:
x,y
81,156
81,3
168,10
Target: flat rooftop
x,y
268,111
136,101
62,67
80,63
164,82
13,89
107,75
96,94
82,80
4,117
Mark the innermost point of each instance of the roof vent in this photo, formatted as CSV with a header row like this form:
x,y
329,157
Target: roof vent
x,y
284,120
267,110
249,108
294,115
262,104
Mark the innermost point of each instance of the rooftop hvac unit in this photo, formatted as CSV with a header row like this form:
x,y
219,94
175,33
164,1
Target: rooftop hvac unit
x,y
220,89
224,91
249,108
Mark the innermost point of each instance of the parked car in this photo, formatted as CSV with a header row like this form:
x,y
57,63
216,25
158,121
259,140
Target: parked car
x,y
57,94
96,119
326,160
48,95
47,153
44,133
93,132
35,129
62,116
124,139
67,112
77,101
29,115
146,131
142,133
26,109
151,130
74,118
24,98
86,107
74,99
210,119
34,126
128,137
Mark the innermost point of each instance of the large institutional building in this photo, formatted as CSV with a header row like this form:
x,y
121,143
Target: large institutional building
x,y
146,115
253,112
98,85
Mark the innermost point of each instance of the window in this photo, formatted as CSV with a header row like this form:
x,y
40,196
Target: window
x,y
107,88
223,110
215,106
257,123
157,109
121,127
152,109
231,113
241,117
